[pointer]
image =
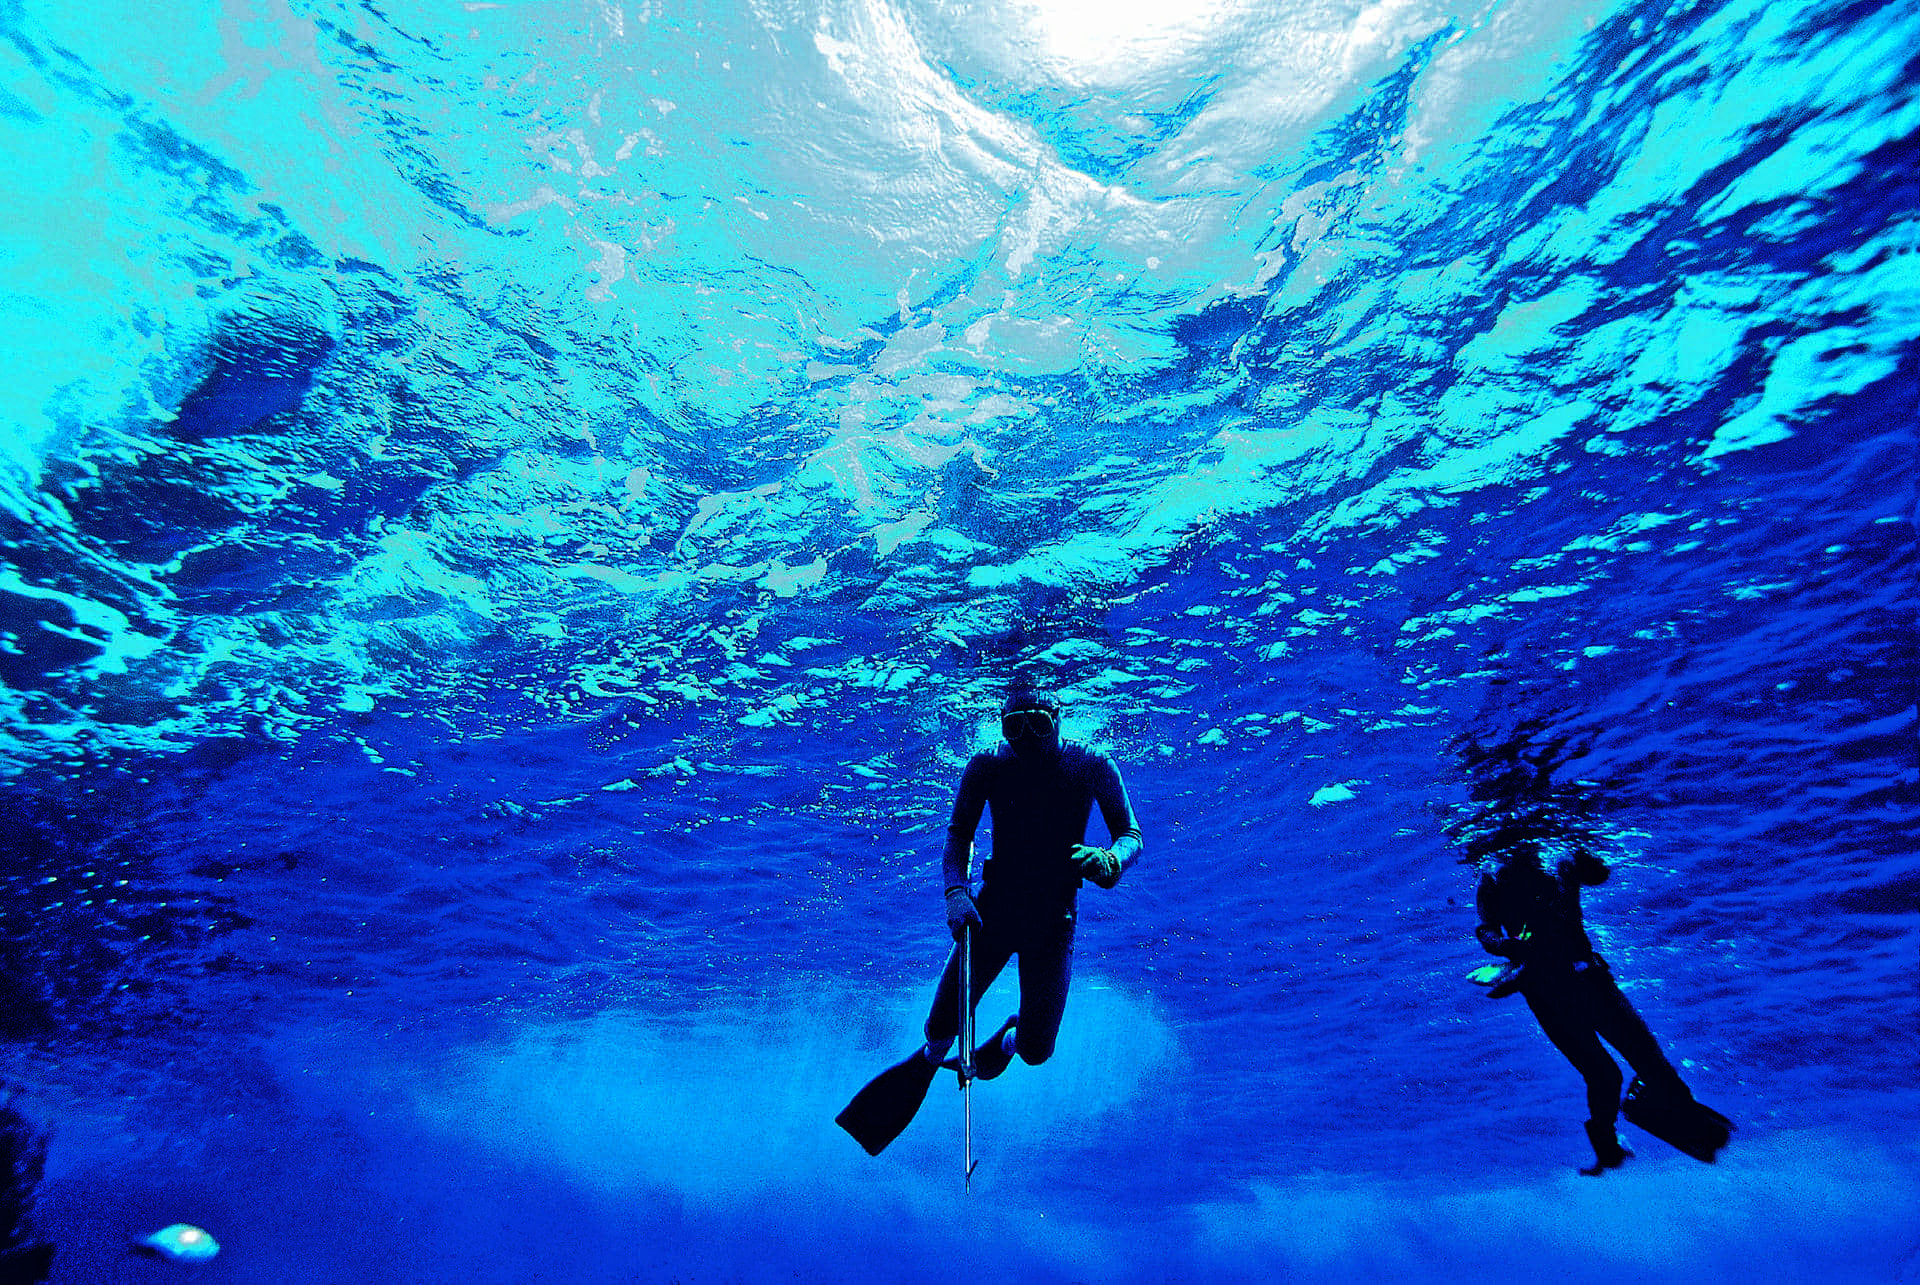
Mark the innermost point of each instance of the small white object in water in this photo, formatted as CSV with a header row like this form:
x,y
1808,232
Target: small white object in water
x,y
182,1243
1338,792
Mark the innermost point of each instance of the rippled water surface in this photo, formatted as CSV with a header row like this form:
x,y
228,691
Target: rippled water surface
x,y
516,515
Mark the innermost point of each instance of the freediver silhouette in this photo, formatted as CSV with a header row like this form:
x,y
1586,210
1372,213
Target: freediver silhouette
x,y
1531,841
1040,791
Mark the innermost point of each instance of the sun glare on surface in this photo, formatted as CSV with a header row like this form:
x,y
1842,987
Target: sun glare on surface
x,y
1097,33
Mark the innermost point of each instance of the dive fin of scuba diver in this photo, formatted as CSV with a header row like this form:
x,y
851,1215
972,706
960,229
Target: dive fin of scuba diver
x,y
1678,1120
991,1057
887,1105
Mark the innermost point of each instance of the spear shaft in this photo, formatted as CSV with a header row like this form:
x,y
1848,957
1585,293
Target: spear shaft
x,y
966,1044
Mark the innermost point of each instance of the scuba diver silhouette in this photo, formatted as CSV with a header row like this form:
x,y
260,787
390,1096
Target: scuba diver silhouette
x,y
1530,915
1041,792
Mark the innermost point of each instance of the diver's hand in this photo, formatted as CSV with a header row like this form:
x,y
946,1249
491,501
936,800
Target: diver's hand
x,y
1097,864
1498,943
961,912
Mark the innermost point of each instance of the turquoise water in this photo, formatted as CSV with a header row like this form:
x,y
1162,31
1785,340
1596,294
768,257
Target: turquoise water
x,y
516,515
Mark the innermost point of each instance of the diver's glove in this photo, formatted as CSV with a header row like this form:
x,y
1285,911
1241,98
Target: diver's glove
x,y
1098,865
961,911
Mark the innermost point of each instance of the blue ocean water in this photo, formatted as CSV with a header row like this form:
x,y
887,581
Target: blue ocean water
x,y
516,515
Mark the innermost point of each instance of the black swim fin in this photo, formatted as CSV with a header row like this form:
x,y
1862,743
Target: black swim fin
x,y
1678,1120
887,1105
990,1058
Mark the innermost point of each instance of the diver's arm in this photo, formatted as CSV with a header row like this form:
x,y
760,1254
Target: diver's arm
x,y
1127,844
1117,811
1492,935
956,861
968,803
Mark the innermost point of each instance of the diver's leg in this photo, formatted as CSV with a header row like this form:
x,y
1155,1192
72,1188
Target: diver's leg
x,y
1046,970
1572,1033
1566,1015
1620,1025
1659,1101
991,950
996,1051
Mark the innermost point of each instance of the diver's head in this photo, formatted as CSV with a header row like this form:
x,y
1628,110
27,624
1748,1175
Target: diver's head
x,y
1030,720
1501,848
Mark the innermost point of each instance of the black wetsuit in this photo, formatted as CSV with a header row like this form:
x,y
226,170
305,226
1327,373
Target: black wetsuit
x,y
1040,804
1532,915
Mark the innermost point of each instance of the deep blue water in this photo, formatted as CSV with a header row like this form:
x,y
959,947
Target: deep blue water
x,y
517,514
